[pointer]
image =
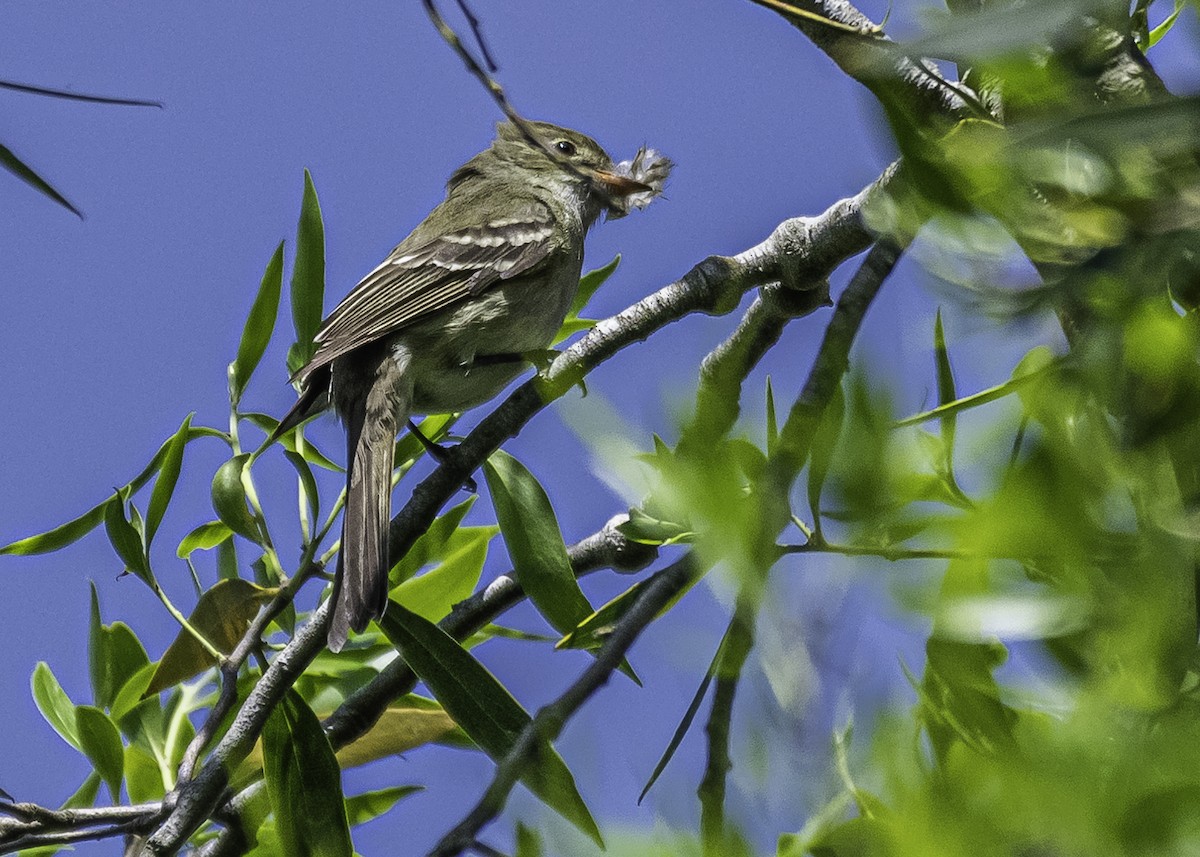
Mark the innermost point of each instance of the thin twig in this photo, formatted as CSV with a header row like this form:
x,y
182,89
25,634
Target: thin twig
x,y
548,723
477,31
739,640
76,96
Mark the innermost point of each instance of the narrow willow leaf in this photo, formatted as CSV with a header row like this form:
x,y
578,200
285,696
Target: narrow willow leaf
x,y
73,530
311,454
772,421
168,477
114,655
54,704
133,693
204,537
535,542
590,283
434,593
229,498
688,716
594,630
100,741
126,540
824,443
403,726
260,324
1155,35
484,708
1022,376
223,615
308,277
143,777
86,794
227,560
17,167
529,843
308,483
433,544
304,783
370,805
945,382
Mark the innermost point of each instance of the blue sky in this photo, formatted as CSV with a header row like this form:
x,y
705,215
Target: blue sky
x,y
115,327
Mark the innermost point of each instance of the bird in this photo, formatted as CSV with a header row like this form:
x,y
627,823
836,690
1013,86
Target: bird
x,y
448,318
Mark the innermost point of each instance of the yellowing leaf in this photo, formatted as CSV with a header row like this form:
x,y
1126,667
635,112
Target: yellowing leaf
x,y
222,615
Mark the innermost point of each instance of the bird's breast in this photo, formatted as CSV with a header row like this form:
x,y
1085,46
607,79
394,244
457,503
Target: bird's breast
x,y
466,354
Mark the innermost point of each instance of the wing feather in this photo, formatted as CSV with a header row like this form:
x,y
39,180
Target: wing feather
x,y
425,274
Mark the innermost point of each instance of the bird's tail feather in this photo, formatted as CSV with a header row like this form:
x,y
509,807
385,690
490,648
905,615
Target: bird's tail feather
x,y
361,593
314,397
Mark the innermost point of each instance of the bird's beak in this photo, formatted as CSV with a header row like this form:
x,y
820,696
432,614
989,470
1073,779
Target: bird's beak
x,y
620,186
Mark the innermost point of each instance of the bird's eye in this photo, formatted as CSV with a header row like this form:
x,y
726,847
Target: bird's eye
x,y
566,147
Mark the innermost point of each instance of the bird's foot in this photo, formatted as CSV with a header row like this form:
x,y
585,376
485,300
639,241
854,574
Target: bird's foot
x,y
441,455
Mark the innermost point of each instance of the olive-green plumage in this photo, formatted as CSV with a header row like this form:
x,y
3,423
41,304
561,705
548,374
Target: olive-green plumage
x,y
441,324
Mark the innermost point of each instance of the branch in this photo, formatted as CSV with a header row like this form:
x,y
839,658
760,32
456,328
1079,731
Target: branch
x,y
548,724
739,641
861,51
232,665
833,359
607,548
30,825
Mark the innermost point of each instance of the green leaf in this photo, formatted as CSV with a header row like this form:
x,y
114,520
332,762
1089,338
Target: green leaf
x,y
132,694
227,560
590,282
688,716
54,704
311,454
168,476
229,498
410,722
114,655
304,783
260,324
433,594
535,543
308,484
308,277
370,805
126,540
529,843
223,615
85,795
772,421
594,629
143,777
204,537
485,710
17,167
433,544
1022,376
73,530
824,442
945,383
100,741
1155,35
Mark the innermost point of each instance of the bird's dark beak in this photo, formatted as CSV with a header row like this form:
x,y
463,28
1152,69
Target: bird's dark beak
x,y
620,186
